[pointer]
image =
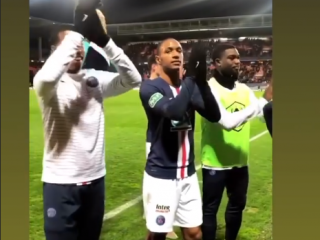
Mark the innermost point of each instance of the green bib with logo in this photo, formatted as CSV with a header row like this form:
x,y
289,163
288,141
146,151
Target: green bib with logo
x,y
222,148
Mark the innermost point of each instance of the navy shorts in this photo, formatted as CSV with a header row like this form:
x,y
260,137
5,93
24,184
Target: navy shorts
x,y
73,212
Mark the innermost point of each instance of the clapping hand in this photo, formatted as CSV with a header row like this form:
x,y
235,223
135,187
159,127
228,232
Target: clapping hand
x,y
197,64
90,22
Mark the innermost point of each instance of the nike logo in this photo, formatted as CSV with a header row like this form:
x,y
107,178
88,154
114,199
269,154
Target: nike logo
x,y
84,17
197,64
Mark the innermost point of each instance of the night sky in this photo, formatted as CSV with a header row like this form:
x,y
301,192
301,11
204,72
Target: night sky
x,y
126,11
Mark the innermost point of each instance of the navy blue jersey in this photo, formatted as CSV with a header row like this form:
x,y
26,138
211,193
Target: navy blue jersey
x,y
148,135
171,120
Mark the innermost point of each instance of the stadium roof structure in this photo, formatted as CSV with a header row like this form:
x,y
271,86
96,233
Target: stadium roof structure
x,y
197,25
40,22
41,27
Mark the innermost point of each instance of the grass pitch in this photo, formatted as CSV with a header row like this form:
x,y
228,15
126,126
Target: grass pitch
x,y
125,159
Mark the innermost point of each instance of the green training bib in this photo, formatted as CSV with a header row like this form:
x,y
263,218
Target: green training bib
x,y
221,148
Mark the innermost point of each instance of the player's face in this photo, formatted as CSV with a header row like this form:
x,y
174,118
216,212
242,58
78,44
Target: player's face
x,y
76,63
230,62
171,55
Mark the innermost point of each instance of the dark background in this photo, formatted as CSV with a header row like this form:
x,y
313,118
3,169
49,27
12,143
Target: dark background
x,y
129,11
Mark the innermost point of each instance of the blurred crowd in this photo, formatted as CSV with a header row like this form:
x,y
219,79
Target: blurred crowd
x,y
259,48
256,55
250,71
255,72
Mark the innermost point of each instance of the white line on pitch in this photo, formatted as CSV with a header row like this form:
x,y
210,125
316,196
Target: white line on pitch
x,y
135,201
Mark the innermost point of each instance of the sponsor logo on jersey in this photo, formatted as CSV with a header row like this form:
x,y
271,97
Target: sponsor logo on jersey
x,y
85,16
162,208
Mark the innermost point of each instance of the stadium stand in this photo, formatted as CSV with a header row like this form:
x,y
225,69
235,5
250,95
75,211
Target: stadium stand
x,y
256,52
256,55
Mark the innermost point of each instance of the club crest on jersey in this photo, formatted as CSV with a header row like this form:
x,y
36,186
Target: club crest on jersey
x,y
51,212
92,82
183,125
235,107
160,220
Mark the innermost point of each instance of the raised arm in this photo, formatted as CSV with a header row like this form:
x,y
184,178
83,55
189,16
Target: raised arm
x,y
202,100
175,108
91,22
230,121
205,103
227,120
127,78
47,77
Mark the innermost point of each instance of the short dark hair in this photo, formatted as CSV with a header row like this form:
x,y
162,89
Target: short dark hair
x,y
159,46
151,61
219,50
161,43
54,36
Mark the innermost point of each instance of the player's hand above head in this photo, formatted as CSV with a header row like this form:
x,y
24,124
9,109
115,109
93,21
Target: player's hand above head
x,y
88,6
90,22
83,10
197,64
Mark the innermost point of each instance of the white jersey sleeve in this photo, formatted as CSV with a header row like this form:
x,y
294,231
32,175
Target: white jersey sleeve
x,y
127,78
46,79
